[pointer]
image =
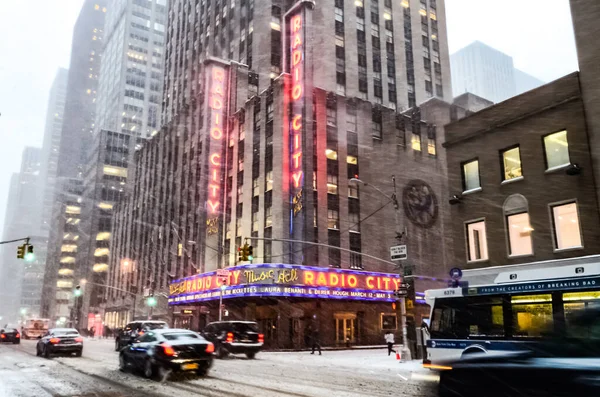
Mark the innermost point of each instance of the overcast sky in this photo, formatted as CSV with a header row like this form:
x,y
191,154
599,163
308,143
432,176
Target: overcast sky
x,y
35,39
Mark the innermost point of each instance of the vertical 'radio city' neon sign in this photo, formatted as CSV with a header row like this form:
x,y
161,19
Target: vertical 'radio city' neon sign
x,y
297,72
216,103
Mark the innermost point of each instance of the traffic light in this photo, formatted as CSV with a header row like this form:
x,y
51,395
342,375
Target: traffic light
x,y
250,252
21,251
77,291
29,256
240,254
151,301
245,253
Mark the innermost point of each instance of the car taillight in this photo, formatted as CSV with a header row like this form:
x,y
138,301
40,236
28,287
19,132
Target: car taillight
x,y
141,333
168,350
18,335
2,336
229,337
210,348
261,338
79,339
54,340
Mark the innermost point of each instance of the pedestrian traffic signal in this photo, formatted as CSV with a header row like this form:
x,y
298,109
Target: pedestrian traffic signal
x,y
29,256
21,251
250,252
77,291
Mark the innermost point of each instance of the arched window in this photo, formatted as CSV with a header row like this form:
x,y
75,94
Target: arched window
x,y
516,213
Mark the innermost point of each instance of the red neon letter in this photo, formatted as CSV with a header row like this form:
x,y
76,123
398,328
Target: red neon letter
x,y
296,57
296,23
309,277
214,189
296,176
218,89
213,205
236,277
396,282
296,124
296,157
297,41
296,92
216,133
216,103
217,117
215,177
352,281
215,159
218,73
296,141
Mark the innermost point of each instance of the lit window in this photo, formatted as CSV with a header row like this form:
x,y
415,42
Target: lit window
x,y
432,15
470,171
352,190
64,284
331,154
332,219
269,178
103,236
431,146
255,221
314,180
332,184
532,315
105,206
101,252
423,12
275,26
67,259
351,160
416,142
89,91
557,149
358,3
405,4
65,272
96,7
100,267
387,16
268,217
519,233
68,248
567,233
73,209
103,9
115,171
511,159
255,187
476,242
339,14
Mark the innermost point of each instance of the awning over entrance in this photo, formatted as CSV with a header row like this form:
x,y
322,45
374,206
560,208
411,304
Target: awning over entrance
x,y
281,280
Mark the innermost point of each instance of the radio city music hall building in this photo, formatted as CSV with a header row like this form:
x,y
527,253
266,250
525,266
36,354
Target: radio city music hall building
x,y
252,150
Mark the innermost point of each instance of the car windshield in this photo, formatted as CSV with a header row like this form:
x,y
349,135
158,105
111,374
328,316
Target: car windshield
x,y
64,332
244,327
155,325
180,336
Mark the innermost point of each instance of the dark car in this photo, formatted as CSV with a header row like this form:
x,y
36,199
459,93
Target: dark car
x,y
169,349
561,365
135,329
10,335
60,341
237,337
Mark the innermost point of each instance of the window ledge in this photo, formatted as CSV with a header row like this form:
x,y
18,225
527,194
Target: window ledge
x,y
517,179
377,138
557,168
470,191
520,256
479,260
579,247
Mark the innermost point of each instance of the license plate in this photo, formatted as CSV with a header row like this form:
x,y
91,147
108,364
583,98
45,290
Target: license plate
x,y
246,340
189,367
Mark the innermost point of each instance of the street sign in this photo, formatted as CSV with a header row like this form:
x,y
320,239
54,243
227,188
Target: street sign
x,y
455,273
398,252
146,292
222,273
403,285
400,292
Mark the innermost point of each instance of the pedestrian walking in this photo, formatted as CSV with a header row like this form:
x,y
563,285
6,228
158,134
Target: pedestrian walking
x,y
389,339
316,343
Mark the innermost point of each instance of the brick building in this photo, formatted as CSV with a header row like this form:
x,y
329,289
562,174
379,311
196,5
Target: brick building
x,y
521,180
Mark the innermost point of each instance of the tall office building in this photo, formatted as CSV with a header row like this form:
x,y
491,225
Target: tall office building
x,y
128,110
270,108
488,73
78,125
21,280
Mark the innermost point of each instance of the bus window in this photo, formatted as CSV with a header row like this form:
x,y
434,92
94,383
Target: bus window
x,y
532,315
485,317
444,321
574,302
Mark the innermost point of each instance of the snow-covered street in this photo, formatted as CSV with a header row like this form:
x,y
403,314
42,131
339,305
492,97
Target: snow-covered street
x,y
300,374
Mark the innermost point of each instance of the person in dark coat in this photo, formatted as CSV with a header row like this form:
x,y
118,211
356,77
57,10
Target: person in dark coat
x,y
316,342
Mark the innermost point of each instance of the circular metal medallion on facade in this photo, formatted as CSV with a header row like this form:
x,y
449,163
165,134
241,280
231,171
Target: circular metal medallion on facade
x,y
420,203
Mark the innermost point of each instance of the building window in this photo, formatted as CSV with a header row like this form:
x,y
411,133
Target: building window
x,y
255,221
332,184
477,249
269,184
511,162
431,146
268,217
332,219
331,154
567,233
255,187
557,150
470,174
416,142
519,234
354,221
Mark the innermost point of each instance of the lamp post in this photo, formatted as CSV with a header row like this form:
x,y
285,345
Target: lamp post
x,y
399,236
223,287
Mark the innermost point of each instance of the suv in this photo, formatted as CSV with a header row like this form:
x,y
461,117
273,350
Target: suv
x,y
134,329
234,337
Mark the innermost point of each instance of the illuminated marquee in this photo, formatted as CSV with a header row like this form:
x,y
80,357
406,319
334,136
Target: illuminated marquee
x,y
216,104
287,280
296,93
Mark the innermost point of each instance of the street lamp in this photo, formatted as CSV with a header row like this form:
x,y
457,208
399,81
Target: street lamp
x,y
399,235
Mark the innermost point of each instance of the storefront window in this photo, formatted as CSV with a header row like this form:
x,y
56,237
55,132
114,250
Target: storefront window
x,y
532,315
388,321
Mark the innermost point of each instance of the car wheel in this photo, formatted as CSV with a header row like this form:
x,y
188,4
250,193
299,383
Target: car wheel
x,y
163,374
122,362
222,352
202,371
46,352
78,353
38,352
251,355
149,370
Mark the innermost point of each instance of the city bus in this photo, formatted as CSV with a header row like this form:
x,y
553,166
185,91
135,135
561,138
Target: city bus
x,y
35,328
524,305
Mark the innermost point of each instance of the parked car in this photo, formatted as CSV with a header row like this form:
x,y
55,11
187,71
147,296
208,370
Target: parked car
x,y
135,329
10,335
168,349
237,337
563,365
60,341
